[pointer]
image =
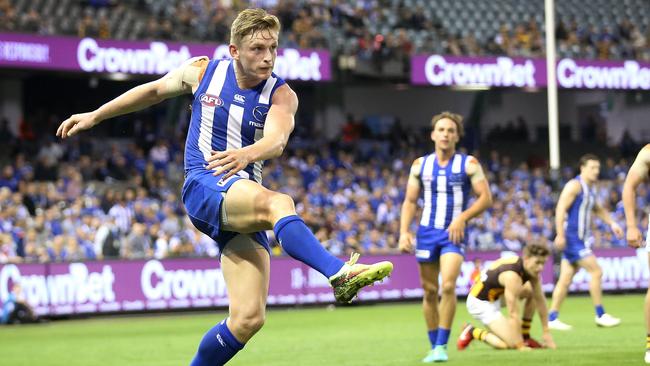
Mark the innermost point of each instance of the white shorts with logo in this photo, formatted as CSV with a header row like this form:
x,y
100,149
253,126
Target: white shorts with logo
x,y
483,310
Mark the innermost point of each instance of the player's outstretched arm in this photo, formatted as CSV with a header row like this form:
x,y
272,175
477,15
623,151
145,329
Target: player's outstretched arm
x,y
637,174
277,129
568,195
409,206
481,188
540,303
181,80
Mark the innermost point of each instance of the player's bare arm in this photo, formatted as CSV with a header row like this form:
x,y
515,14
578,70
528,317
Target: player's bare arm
x,y
540,303
182,80
277,129
605,215
512,285
638,173
409,206
481,188
569,193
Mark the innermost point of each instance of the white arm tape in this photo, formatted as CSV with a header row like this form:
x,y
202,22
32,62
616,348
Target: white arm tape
x,y
185,74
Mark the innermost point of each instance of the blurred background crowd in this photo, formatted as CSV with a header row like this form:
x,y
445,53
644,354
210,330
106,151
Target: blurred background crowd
x,y
95,197
86,199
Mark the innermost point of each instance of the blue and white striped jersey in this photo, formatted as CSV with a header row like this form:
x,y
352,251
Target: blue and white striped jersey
x,y
227,117
446,190
579,219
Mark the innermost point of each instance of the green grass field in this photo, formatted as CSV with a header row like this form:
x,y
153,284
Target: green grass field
x,y
359,335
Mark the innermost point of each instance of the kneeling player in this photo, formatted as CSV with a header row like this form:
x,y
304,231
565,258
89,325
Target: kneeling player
x,y
514,278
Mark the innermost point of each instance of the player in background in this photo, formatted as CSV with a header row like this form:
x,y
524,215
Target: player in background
x,y
638,173
573,231
242,114
514,278
445,178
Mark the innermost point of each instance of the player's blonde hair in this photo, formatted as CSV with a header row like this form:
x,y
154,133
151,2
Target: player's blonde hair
x,y
250,21
457,118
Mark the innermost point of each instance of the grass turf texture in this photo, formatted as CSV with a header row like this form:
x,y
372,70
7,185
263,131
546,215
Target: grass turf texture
x,y
375,335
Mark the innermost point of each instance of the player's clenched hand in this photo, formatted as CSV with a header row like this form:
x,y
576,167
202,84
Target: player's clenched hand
x,y
230,161
560,242
76,123
456,230
633,237
616,229
548,340
406,242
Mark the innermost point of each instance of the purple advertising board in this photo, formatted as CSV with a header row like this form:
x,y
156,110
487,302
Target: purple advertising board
x,y
114,286
504,71
140,57
623,269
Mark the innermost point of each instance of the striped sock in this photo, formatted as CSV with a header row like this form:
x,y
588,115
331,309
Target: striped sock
x,y
647,342
525,328
480,334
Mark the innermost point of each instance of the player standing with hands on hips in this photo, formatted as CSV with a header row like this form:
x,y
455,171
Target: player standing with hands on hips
x,y
242,114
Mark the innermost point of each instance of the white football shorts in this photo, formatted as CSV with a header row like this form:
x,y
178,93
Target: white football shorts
x,y
483,310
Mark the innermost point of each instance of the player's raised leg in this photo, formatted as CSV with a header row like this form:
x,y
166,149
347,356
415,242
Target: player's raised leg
x,y
246,273
567,271
429,273
250,207
603,319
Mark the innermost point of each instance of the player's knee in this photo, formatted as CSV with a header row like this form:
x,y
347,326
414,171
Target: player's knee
x,y
511,344
249,323
270,206
282,204
449,288
430,292
564,282
276,205
596,273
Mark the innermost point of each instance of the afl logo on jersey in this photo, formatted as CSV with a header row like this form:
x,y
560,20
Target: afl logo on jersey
x,y
210,100
456,179
260,112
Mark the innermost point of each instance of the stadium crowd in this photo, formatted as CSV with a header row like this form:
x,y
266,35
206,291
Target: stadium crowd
x,y
367,30
65,202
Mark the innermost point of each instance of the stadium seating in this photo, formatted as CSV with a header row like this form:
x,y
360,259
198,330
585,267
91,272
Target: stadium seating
x,y
603,28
